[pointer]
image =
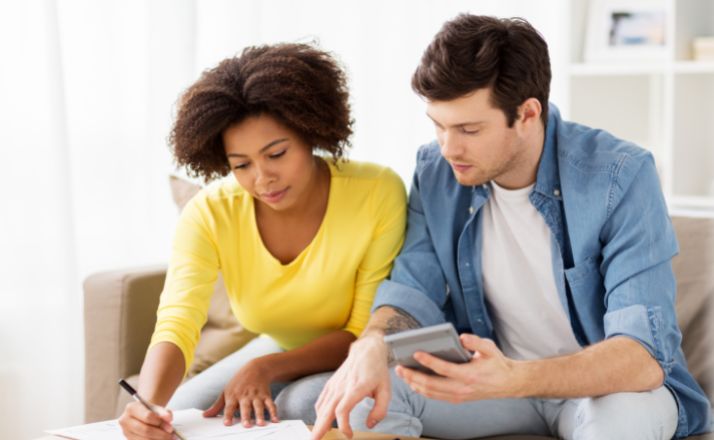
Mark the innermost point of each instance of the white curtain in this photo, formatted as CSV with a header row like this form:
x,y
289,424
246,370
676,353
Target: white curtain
x,y
87,93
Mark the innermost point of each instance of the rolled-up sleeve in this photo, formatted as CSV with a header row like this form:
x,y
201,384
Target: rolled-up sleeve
x,y
417,283
638,246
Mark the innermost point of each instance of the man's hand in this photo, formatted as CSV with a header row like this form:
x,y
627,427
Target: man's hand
x,y
489,375
363,374
249,392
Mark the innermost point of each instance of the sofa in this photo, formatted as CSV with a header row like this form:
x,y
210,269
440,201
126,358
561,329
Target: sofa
x,y
120,312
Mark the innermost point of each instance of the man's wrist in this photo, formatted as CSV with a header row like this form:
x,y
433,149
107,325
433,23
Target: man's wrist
x,y
525,380
372,332
372,340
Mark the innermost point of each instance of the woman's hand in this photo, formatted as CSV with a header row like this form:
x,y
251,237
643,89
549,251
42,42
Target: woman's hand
x,y
137,422
249,391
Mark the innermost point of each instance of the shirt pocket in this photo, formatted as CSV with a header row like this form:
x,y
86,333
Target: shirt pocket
x,y
584,272
586,288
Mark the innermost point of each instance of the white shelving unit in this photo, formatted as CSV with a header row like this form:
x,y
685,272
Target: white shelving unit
x,y
666,106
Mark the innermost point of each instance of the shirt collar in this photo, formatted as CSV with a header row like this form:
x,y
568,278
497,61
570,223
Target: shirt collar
x,y
548,177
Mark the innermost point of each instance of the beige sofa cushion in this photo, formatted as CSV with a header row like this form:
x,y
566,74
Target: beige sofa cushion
x,y
222,334
694,269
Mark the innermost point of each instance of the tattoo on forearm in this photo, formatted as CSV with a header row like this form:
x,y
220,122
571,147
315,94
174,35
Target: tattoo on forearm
x,y
400,322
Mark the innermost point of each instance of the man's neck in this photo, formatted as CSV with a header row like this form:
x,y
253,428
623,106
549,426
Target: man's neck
x,y
524,169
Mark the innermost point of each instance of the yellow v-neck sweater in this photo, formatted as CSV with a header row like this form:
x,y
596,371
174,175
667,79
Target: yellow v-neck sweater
x,y
329,286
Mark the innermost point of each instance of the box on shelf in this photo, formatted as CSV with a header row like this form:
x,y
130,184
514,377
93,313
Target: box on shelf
x,y
703,48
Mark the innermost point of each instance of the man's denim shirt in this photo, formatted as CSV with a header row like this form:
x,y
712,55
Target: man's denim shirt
x,y
613,243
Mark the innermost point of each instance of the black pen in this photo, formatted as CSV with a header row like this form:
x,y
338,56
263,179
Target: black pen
x,y
129,389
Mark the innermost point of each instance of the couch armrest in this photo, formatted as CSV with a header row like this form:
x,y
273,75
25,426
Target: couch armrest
x,y
119,318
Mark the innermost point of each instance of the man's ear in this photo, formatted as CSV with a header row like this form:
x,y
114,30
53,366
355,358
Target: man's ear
x,y
529,113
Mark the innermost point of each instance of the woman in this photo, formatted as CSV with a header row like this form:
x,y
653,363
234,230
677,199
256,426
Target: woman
x,y
302,242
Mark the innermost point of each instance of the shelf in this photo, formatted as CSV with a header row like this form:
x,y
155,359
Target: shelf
x,y
620,69
691,206
694,67
684,67
663,106
693,201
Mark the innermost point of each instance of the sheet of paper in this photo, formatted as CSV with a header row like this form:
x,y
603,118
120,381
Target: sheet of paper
x,y
194,426
106,430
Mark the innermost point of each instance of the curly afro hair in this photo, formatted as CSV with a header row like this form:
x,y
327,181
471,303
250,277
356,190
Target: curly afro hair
x,y
298,85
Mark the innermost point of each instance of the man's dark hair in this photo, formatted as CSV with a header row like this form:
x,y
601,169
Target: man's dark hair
x,y
300,86
473,52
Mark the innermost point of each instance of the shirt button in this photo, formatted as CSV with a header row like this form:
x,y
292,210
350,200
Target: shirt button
x,y
471,209
467,264
556,193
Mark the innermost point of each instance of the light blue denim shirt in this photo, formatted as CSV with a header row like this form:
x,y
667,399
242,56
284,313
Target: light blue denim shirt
x,y
613,243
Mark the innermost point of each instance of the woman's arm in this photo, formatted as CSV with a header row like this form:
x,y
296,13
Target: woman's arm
x,y
325,353
161,373
389,209
182,312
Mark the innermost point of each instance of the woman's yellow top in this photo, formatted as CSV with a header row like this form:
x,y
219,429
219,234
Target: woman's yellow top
x,y
329,286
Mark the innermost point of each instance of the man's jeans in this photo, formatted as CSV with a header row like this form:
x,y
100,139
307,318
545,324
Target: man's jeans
x,y
646,415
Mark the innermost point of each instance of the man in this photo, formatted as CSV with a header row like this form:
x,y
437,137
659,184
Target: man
x,y
548,243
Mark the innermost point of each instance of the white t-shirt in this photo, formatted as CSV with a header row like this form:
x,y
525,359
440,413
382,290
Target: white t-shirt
x,y
529,319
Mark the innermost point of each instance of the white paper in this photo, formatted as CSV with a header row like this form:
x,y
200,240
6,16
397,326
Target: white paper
x,y
193,426
106,430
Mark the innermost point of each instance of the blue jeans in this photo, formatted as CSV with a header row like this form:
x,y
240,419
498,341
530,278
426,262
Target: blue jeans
x,y
295,400
646,415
